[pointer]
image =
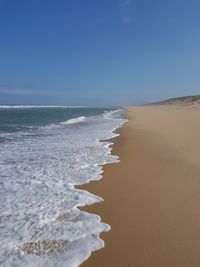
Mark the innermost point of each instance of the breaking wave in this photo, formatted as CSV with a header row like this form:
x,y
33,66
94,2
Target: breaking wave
x,y
74,120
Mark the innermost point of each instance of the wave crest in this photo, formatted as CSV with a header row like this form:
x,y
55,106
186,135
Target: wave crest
x,y
74,120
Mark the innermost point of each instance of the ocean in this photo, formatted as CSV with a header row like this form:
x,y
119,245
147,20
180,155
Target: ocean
x,y
45,152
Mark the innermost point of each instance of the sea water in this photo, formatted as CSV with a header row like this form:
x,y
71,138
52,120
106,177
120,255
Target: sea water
x,y
44,153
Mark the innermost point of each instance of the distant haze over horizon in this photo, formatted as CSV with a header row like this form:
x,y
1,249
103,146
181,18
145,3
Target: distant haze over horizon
x,y
98,53
187,99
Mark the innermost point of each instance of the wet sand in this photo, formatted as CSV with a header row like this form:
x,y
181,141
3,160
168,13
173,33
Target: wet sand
x,y
152,197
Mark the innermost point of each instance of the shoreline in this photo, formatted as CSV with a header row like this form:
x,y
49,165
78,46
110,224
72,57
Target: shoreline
x,y
152,196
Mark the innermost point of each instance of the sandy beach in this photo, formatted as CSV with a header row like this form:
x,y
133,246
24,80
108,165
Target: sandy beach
x,y
152,197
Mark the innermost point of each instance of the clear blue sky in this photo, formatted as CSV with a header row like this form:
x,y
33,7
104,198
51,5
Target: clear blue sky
x,y
98,52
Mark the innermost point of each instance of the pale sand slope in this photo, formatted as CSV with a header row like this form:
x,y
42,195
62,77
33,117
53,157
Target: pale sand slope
x,y
152,197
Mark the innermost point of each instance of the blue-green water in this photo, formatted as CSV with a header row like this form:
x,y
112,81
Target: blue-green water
x,y
16,119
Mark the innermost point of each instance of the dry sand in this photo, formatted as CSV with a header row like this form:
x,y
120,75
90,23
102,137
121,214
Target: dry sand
x,y
152,197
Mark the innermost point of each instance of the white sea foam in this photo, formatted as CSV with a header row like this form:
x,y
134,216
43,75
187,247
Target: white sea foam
x,y
111,114
40,223
74,120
